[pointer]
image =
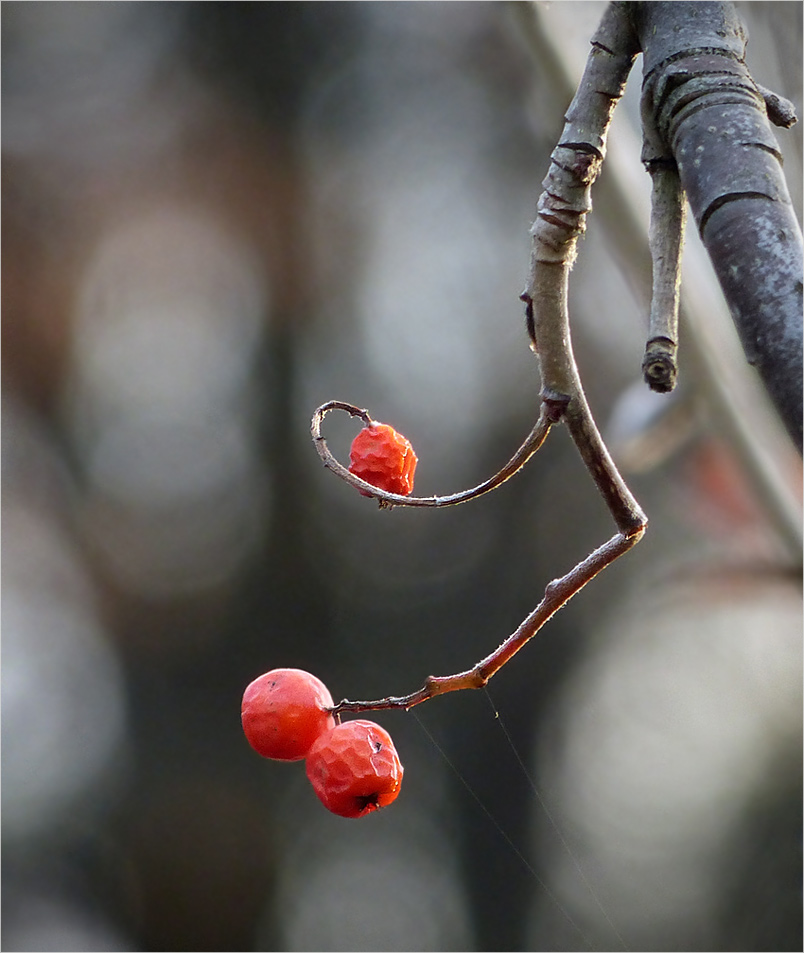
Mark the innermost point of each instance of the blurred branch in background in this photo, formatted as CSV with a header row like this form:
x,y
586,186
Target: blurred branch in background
x,y
214,217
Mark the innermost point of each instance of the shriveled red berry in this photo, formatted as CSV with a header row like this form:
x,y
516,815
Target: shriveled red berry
x,y
284,711
354,768
384,458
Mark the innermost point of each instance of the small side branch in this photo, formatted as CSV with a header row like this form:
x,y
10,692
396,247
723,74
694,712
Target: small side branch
x,y
560,221
551,411
557,594
659,366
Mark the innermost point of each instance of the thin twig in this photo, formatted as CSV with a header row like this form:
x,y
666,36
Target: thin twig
x,y
668,213
550,413
560,221
557,594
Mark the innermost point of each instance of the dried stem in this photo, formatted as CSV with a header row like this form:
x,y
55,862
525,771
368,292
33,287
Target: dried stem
x,y
666,243
557,594
549,415
560,221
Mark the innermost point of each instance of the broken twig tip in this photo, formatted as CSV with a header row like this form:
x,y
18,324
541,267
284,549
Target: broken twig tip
x,y
659,366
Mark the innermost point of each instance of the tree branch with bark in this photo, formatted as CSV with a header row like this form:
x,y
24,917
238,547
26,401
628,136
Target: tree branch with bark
x,y
707,127
706,138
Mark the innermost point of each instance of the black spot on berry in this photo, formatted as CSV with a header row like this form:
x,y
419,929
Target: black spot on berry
x,y
366,801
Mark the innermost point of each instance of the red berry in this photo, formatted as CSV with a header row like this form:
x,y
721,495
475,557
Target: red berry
x,y
354,768
284,711
384,458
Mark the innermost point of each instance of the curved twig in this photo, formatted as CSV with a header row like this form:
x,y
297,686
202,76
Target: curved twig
x,y
560,221
550,413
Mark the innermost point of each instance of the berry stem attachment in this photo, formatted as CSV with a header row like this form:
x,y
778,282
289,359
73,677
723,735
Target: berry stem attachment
x,y
551,411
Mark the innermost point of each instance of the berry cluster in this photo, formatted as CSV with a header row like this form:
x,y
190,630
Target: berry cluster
x,y
383,458
353,766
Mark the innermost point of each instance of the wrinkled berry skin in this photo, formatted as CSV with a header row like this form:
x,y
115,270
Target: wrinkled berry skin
x,y
384,458
284,712
355,769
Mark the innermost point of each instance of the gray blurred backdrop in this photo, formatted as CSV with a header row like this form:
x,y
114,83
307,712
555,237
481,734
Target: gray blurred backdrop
x,y
216,216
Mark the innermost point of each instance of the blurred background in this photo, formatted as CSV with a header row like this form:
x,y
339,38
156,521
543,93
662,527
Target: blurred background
x,y
217,216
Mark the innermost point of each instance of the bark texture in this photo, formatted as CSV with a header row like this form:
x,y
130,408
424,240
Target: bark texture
x,y
703,113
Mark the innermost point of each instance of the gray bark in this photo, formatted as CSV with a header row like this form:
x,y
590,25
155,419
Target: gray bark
x,y
704,114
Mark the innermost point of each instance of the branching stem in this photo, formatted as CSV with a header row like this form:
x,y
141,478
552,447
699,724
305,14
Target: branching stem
x,y
560,221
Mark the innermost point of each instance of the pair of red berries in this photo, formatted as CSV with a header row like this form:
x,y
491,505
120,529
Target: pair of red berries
x,y
353,766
